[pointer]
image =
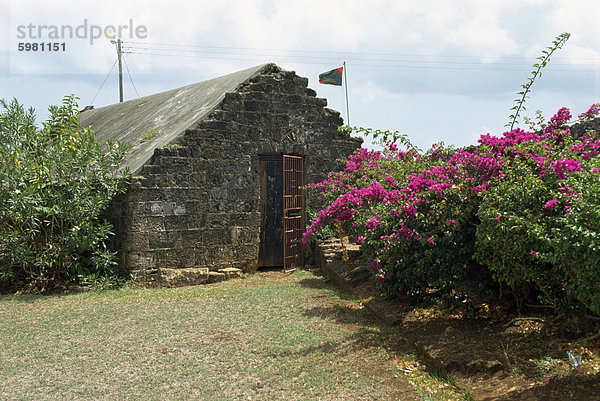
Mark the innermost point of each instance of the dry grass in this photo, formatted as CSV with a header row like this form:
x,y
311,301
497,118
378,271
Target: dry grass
x,y
268,337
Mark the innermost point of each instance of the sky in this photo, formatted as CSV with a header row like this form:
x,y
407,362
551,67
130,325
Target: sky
x,y
437,70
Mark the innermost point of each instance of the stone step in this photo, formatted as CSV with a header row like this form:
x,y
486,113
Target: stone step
x,y
215,277
231,272
184,276
181,277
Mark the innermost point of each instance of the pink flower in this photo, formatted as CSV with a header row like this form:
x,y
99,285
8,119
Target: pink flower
x,y
392,146
390,180
373,222
353,193
592,112
560,167
550,204
479,188
558,120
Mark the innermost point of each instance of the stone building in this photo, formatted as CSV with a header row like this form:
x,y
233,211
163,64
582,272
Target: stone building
x,y
217,173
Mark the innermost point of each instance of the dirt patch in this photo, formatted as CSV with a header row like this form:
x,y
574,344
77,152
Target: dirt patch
x,y
489,359
218,336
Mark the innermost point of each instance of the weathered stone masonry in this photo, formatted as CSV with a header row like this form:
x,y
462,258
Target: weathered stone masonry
x,y
194,205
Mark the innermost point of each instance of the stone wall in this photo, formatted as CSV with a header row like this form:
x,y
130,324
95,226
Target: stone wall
x,y
339,260
581,128
195,204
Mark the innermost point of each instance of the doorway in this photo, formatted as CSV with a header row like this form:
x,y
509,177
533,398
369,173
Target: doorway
x,y
281,210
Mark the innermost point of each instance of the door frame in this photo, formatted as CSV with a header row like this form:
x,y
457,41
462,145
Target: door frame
x,y
293,211
282,211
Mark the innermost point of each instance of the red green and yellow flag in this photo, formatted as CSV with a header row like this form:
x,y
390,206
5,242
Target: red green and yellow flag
x,y
333,77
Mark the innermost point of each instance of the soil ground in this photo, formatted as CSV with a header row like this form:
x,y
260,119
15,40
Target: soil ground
x,y
491,356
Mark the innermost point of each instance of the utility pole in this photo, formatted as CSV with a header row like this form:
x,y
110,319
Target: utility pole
x,y
119,53
120,71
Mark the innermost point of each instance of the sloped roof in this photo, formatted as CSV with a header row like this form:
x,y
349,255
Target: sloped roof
x,y
168,114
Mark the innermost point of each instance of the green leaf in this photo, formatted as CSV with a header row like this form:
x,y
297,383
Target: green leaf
x,y
536,73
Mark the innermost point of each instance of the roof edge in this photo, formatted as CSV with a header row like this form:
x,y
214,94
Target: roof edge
x,y
154,121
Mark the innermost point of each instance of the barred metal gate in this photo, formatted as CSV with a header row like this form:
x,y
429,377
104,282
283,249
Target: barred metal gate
x,y
293,206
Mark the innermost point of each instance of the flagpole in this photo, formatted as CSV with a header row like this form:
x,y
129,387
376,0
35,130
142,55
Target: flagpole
x,y
346,87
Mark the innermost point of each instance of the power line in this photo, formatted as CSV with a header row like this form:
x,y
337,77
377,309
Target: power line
x,y
176,49
131,79
396,64
345,53
359,59
105,78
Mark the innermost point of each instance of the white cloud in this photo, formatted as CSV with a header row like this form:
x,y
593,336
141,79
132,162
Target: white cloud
x,y
414,65
480,31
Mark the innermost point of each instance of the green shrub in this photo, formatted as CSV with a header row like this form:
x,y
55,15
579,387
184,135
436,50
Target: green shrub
x,y
522,209
540,228
414,213
55,181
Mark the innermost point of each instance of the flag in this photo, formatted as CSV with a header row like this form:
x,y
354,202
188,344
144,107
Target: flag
x,y
333,77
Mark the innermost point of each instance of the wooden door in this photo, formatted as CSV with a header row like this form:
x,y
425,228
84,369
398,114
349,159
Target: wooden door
x,y
271,211
282,211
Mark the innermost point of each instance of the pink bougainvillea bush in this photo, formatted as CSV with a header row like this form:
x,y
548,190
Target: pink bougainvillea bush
x,y
540,221
522,209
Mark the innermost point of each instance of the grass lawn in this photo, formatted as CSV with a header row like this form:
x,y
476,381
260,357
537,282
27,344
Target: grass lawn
x,y
271,336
